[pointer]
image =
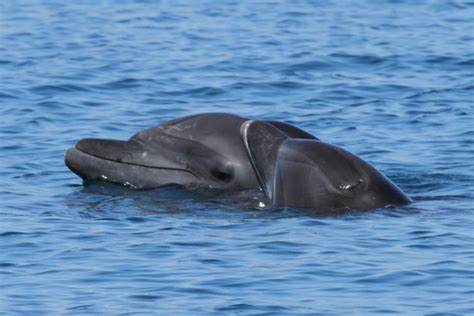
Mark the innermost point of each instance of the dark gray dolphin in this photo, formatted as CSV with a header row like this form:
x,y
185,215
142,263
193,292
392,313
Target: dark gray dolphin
x,y
230,153
201,151
308,173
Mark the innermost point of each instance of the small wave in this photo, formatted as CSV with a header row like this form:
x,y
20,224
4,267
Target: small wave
x,y
12,233
127,83
62,88
441,60
359,59
163,18
24,245
242,307
82,308
297,14
52,105
427,92
145,297
286,84
198,92
467,62
7,96
21,34
444,262
261,86
245,85
308,66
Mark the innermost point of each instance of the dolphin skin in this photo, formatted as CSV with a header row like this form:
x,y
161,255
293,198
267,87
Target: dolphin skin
x,y
227,152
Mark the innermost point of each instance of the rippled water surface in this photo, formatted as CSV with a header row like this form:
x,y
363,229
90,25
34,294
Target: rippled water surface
x,y
391,81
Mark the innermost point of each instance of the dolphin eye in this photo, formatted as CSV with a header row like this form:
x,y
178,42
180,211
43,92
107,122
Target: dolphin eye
x,y
221,176
350,186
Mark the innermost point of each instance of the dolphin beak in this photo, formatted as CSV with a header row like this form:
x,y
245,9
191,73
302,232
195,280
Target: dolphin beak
x,y
91,159
82,164
124,162
97,159
113,150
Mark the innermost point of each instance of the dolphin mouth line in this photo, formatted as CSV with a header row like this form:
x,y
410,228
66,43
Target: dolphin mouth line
x,y
135,164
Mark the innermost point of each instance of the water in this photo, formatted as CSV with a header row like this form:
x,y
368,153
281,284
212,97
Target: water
x,y
391,81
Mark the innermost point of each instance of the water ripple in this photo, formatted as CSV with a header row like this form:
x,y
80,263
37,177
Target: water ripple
x,y
59,88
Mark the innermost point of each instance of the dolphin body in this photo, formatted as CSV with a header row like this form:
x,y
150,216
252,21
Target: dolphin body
x,y
231,153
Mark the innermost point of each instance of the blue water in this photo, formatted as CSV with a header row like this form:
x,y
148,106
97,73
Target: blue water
x,y
391,81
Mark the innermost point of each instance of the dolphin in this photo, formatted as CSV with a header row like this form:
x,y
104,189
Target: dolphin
x,y
307,173
226,152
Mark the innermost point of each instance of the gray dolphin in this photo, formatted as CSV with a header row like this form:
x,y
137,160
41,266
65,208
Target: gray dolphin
x,y
309,173
230,153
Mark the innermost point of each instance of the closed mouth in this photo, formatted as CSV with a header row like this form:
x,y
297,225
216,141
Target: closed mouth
x,y
124,162
92,167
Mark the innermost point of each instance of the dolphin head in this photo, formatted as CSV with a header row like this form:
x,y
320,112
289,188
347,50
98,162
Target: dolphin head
x,y
321,175
153,158
308,173
202,151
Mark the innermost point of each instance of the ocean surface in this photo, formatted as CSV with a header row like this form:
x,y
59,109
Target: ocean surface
x,y
391,81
